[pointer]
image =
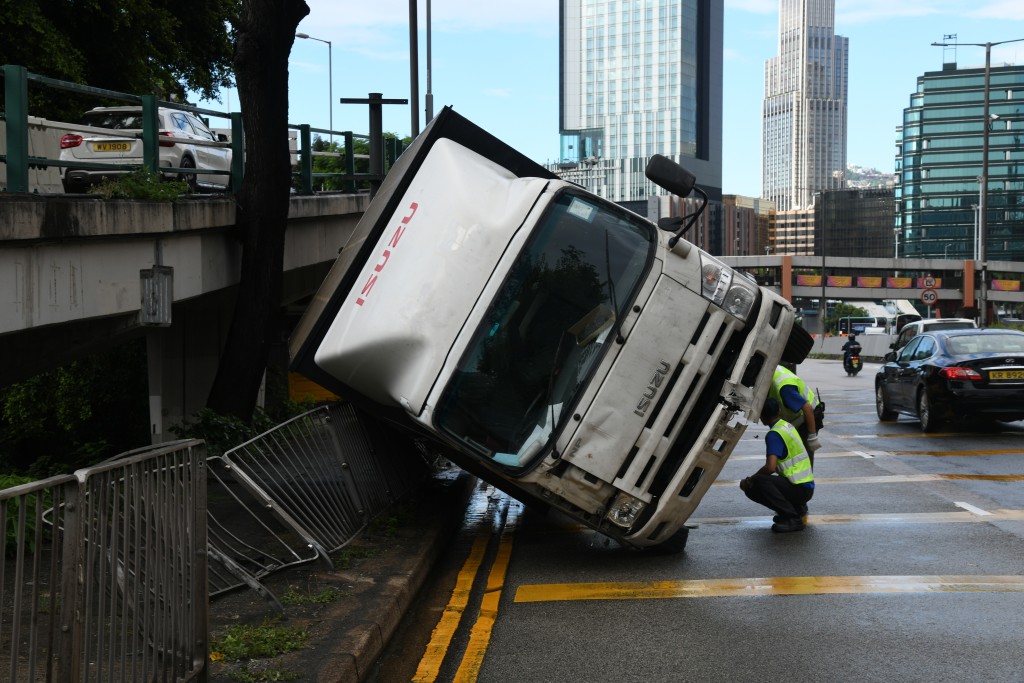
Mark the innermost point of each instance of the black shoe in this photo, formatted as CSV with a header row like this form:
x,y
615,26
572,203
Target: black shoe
x,y
788,526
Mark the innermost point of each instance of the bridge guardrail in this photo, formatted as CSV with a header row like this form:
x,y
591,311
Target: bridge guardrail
x,y
19,161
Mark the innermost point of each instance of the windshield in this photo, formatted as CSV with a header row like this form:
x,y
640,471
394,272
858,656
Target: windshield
x,y
546,329
985,343
113,119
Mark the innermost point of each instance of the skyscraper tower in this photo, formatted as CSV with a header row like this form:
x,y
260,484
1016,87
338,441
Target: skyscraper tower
x,y
804,113
637,79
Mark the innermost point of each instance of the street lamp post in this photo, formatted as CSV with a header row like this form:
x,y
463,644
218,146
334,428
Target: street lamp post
x,y
330,80
983,206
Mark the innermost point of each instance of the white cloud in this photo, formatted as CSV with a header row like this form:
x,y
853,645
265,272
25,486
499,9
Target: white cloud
x,y
1012,10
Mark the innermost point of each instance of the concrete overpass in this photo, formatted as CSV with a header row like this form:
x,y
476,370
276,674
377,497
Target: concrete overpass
x,y
79,274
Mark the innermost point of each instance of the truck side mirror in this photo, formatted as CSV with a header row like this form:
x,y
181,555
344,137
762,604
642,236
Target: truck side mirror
x,y
666,173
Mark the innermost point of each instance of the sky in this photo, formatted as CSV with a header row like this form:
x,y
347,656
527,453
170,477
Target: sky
x,y
497,64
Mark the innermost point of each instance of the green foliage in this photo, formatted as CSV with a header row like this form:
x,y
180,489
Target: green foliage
x,y
224,432
76,415
360,148
29,503
164,47
842,310
347,557
264,640
141,184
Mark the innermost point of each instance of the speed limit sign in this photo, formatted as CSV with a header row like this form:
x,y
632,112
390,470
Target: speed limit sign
x,y
929,297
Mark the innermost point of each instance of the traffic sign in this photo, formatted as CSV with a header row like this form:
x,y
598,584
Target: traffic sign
x,y
929,297
928,281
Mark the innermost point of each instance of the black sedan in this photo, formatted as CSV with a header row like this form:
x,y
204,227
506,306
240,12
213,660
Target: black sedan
x,y
954,375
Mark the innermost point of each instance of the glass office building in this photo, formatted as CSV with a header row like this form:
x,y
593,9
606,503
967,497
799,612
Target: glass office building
x,y
939,165
804,110
638,79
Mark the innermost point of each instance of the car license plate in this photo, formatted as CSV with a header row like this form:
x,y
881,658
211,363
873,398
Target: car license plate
x,y
1005,374
111,146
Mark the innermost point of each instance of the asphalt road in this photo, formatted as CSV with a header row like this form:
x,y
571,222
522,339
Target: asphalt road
x,y
911,569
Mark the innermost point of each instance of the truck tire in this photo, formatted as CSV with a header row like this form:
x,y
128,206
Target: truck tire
x,y
674,544
798,346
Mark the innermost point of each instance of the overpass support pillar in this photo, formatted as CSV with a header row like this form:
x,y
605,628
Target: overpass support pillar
x,y
182,361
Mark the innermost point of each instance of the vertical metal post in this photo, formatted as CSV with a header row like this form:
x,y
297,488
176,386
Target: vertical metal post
x,y
376,140
16,103
150,134
429,98
414,68
983,223
350,161
306,160
237,151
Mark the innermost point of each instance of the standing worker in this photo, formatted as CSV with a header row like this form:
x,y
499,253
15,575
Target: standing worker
x,y
799,407
785,483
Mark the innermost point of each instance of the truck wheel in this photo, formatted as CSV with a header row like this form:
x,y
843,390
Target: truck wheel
x,y
798,346
672,545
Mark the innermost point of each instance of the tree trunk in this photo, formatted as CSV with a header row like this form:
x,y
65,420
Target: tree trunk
x,y
265,33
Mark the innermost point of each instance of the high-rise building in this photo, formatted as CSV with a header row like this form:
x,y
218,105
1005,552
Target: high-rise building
x,y
938,164
855,223
638,79
804,111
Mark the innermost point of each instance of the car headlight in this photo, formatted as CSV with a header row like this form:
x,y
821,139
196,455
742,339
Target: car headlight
x,y
625,510
733,292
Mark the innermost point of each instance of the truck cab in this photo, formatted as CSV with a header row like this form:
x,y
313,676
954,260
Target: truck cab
x,y
553,343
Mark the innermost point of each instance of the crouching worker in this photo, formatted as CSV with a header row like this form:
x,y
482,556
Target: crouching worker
x,y
785,483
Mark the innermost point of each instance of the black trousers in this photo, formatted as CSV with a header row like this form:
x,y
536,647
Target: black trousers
x,y
777,493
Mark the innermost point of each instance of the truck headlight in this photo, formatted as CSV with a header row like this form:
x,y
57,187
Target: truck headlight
x,y
720,284
625,510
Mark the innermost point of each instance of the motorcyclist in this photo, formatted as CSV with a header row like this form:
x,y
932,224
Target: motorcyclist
x,y
851,346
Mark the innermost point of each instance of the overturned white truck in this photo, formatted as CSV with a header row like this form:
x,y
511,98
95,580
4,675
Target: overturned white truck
x,y
558,346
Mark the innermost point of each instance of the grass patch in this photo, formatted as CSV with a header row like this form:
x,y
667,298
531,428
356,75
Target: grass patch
x,y
348,557
241,642
295,597
264,676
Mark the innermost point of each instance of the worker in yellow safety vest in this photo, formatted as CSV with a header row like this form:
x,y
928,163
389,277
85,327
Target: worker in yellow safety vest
x,y
800,406
785,483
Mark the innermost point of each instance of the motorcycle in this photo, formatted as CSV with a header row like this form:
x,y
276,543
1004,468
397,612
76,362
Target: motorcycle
x,y
851,360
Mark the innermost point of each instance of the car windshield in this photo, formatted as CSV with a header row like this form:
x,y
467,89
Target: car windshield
x,y
546,329
934,327
985,343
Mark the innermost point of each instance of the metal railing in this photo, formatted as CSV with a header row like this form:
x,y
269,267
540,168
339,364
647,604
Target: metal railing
x,y
19,161
107,573
109,583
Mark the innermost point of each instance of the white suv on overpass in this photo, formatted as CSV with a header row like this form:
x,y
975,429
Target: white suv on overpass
x,y
185,142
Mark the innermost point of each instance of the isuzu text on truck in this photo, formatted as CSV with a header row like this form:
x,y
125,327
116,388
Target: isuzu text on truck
x,y
558,346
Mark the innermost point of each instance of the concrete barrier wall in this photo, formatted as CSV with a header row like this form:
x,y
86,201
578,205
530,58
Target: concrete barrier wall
x,y
873,346
42,142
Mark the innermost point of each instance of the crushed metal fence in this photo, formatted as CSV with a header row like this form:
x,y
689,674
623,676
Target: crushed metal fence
x,y
107,574
302,491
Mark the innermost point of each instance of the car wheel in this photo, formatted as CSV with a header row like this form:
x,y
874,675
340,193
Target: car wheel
x,y
924,412
885,414
189,178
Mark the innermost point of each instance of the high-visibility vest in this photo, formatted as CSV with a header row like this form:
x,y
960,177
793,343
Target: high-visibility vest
x,y
783,378
797,464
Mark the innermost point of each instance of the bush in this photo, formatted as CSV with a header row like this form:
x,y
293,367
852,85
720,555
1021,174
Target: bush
x,y
141,184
